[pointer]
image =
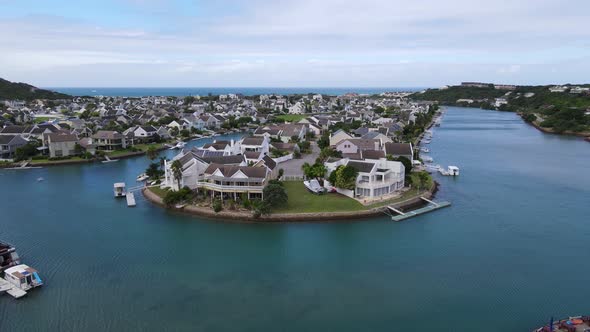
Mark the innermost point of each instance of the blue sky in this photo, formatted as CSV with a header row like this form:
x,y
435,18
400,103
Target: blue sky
x,y
370,43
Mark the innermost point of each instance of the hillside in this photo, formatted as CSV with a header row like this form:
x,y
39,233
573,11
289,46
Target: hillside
x,y
23,91
558,112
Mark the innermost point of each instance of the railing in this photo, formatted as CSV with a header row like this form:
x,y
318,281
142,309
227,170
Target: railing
x,y
292,178
213,186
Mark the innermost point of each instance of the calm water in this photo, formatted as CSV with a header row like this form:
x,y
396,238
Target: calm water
x,y
181,92
509,253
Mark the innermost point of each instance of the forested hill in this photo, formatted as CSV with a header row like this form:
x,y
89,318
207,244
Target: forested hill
x,y
564,111
23,91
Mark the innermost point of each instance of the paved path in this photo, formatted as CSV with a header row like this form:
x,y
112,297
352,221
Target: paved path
x,y
293,166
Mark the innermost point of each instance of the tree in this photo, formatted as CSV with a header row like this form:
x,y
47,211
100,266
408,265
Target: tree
x,y
25,151
324,141
281,172
328,152
177,171
275,195
529,117
154,171
152,152
344,177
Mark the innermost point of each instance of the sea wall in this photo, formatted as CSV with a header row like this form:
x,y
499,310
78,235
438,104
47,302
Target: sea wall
x,y
206,212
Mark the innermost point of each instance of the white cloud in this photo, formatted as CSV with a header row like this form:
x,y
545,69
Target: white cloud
x,y
305,42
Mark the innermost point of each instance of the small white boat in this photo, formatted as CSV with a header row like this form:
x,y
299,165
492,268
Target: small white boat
x,y
426,150
178,145
40,179
119,189
142,177
314,187
19,279
109,160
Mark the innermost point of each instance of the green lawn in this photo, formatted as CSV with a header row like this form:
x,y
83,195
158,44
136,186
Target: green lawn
x,y
292,117
301,201
158,191
44,161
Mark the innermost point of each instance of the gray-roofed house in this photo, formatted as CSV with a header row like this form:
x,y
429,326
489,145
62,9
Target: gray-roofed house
x,y
397,150
61,145
9,144
109,140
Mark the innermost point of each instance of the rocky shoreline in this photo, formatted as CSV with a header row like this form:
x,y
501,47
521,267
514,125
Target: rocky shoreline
x,y
233,216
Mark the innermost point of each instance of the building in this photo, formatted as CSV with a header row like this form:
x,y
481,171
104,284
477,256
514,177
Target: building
x,y
376,178
9,144
61,145
338,136
255,144
109,140
225,181
356,145
397,150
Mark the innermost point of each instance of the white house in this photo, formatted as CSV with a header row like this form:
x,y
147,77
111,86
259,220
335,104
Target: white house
x,y
255,144
338,136
376,178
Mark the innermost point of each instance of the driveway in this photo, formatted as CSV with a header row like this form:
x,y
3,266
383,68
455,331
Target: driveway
x,y
293,166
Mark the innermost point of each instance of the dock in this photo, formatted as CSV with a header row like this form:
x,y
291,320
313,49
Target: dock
x,y
432,206
130,199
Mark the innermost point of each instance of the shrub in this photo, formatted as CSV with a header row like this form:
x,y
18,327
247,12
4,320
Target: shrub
x,y
173,197
217,206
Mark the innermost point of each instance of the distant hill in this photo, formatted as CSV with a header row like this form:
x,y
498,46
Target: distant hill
x,y
23,91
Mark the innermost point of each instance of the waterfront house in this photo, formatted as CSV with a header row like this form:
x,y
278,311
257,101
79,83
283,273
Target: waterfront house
x,y
109,140
9,144
61,145
227,147
145,133
376,178
232,182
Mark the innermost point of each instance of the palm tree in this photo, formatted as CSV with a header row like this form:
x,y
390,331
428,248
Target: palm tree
x,y
152,152
177,171
307,170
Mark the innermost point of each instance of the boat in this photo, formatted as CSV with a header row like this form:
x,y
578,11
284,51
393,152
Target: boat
x,y
40,179
451,171
314,187
17,280
119,189
179,145
431,168
572,324
423,149
109,160
8,256
142,177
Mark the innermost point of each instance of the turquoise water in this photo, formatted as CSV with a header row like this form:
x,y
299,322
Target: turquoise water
x,y
188,91
507,255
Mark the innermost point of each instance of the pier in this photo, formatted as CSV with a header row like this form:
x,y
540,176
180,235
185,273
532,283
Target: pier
x,y
130,199
432,206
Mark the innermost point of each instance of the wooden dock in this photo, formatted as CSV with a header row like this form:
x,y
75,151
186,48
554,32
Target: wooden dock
x,y
130,199
432,206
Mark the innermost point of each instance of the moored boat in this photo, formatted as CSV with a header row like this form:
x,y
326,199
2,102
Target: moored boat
x,y
8,256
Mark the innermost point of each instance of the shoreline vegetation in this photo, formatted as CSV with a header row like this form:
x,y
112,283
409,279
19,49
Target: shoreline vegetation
x,y
561,110
155,195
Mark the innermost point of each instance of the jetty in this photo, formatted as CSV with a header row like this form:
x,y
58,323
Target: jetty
x,y
432,206
130,199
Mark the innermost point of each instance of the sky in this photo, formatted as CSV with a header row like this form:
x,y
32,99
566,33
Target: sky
x,y
293,43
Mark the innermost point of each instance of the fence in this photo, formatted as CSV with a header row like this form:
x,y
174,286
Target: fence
x,y
283,158
293,178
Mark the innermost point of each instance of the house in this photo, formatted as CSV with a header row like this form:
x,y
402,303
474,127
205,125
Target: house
x,y
9,144
397,150
225,181
255,144
356,145
145,133
109,140
338,136
227,147
376,178
292,130
61,145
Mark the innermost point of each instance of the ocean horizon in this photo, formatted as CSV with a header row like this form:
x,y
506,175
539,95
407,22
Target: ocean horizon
x,y
203,91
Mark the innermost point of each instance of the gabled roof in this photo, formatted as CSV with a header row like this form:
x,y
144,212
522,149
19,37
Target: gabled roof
x,y
253,141
60,138
398,148
372,154
229,171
